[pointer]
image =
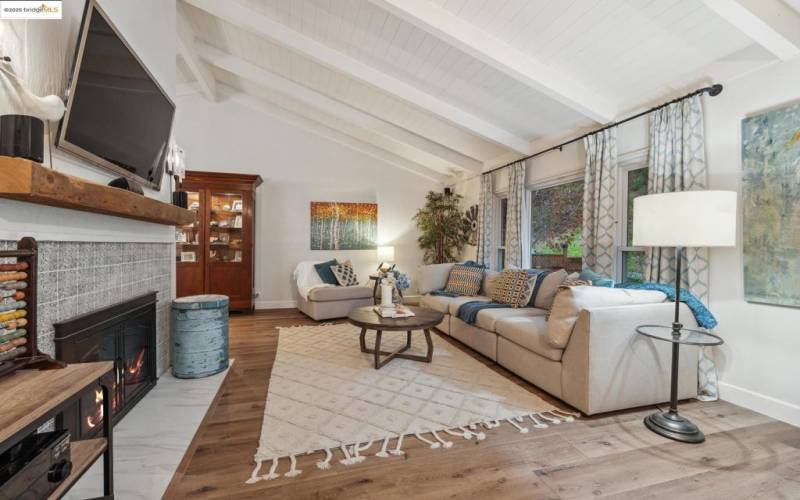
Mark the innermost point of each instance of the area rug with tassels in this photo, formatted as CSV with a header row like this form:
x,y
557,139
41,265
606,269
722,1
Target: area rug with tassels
x,y
326,398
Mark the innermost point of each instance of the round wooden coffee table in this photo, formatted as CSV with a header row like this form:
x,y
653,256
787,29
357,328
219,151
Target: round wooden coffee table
x,y
367,319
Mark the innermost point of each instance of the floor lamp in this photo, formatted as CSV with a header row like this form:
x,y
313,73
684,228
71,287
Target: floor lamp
x,y
679,220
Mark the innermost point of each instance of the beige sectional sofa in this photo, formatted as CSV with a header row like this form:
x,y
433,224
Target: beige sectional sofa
x,y
587,353
334,302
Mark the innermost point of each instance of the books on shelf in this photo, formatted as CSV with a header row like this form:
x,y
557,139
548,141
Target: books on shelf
x,y
399,311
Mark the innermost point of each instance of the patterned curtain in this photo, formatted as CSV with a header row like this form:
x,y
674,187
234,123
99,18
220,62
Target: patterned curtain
x,y
485,201
517,252
599,193
677,162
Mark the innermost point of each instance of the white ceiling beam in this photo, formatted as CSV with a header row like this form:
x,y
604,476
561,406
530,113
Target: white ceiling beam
x,y
261,25
770,23
326,132
501,56
416,148
185,45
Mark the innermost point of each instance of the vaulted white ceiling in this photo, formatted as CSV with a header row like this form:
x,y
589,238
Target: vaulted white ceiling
x,y
444,87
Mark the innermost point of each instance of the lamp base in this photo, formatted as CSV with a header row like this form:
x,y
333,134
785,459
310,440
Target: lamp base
x,y
673,426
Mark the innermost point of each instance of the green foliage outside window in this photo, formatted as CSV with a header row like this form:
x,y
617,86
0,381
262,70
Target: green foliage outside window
x,y
556,219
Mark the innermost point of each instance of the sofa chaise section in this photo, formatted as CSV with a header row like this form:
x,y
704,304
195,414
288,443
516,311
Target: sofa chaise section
x,y
335,301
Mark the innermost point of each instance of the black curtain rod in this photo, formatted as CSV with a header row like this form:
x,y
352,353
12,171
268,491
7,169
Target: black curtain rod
x,y
713,90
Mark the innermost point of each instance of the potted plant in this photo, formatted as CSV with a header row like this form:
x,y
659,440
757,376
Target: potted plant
x,y
441,226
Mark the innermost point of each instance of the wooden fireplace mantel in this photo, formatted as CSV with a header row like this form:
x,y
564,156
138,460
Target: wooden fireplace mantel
x,y
32,182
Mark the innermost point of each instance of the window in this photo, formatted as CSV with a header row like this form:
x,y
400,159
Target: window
x,y
556,222
634,184
501,248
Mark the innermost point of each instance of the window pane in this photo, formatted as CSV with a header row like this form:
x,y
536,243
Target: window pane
x,y
637,186
501,259
633,266
556,219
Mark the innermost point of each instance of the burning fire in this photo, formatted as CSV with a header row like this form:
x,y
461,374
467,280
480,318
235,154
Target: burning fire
x,y
93,420
136,366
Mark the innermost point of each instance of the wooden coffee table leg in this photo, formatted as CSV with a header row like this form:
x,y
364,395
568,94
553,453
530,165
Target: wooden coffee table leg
x,y
362,340
377,349
429,356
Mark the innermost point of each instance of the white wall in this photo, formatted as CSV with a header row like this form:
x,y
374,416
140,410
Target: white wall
x,y
149,27
757,365
299,167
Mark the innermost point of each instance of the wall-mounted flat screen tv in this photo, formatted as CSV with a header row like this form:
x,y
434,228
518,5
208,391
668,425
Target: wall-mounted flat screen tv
x,y
118,116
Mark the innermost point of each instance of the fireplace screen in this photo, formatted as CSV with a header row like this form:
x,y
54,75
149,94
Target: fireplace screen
x,y
123,333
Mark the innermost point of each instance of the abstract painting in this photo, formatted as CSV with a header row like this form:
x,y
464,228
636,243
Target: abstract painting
x,y
771,198
344,226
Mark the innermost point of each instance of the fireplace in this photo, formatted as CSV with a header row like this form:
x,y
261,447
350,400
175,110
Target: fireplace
x,y
124,333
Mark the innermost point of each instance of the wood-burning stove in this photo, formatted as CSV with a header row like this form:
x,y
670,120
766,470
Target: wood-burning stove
x,y
124,333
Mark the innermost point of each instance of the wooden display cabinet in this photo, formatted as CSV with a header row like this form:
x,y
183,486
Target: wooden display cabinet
x,y
215,254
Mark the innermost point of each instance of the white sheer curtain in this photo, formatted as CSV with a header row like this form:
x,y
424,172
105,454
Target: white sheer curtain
x,y
677,162
599,207
485,201
517,220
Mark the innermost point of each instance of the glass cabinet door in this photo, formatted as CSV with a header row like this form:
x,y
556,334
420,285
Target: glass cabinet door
x,y
187,238
225,227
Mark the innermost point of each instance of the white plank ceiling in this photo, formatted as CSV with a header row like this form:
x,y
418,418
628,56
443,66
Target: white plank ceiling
x,y
450,86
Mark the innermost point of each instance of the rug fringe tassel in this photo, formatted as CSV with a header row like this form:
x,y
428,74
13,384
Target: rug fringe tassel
x,y
480,436
552,419
325,464
466,434
566,415
348,460
293,470
445,444
427,441
383,453
537,423
522,430
254,476
397,450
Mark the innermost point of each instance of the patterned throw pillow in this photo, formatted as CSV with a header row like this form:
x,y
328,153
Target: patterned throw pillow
x,y
344,274
532,285
464,280
510,287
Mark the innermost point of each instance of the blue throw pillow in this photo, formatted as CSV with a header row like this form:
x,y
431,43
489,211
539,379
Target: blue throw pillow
x,y
597,279
325,273
472,263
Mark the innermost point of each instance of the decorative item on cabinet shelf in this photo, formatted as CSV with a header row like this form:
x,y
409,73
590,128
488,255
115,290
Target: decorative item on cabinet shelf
x,y
188,257
237,206
237,222
18,287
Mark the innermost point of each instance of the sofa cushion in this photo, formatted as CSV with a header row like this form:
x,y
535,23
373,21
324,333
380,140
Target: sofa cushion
x,y
548,289
331,293
489,282
464,280
487,318
433,277
530,333
447,305
570,301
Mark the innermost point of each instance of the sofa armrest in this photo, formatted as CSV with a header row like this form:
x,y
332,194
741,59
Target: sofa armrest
x,y
608,366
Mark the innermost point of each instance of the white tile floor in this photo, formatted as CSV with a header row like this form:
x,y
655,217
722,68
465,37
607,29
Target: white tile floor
x,y
150,441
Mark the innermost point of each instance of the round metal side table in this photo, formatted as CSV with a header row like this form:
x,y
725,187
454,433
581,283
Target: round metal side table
x,y
669,423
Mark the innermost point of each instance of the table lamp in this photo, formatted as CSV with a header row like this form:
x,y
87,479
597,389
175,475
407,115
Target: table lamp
x,y
679,220
386,258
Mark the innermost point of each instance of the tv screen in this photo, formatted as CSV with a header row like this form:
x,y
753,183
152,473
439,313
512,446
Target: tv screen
x,y
117,114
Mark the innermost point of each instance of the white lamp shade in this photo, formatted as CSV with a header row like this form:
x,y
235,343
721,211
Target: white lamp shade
x,y
386,254
685,219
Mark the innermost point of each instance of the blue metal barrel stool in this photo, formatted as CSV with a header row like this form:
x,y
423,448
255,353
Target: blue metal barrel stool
x,y
199,335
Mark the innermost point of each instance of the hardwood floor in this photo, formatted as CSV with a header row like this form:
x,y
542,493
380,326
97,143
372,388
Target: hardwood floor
x,y
746,455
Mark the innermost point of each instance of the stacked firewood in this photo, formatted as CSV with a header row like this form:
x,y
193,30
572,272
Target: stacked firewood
x,y
13,282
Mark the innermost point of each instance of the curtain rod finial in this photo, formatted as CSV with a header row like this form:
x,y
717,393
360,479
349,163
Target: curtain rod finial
x,y
715,89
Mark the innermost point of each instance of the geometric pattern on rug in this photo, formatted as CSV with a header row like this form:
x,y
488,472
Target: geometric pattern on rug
x,y
325,396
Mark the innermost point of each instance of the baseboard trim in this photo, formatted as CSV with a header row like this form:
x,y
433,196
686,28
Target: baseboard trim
x,y
275,304
772,407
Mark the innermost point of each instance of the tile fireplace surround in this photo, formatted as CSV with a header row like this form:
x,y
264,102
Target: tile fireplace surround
x,y
78,277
